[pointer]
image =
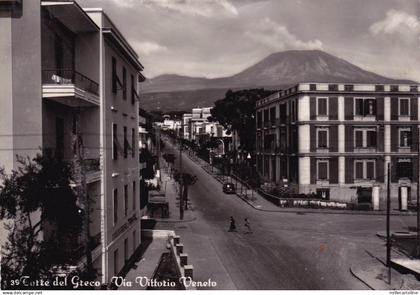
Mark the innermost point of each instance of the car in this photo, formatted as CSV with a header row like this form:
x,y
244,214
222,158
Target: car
x,y
228,188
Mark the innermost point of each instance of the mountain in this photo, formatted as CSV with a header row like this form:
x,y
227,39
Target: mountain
x,y
276,71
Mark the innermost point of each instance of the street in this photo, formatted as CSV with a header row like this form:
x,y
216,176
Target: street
x,y
285,250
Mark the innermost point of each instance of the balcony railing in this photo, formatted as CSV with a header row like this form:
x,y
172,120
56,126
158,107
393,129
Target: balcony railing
x,y
91,165
69,77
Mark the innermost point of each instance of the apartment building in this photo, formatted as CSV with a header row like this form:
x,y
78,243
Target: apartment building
x,y
70,86
197,124
338,139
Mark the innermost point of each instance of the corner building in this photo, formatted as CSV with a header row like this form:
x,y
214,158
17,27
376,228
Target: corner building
x,y
338,139
67,72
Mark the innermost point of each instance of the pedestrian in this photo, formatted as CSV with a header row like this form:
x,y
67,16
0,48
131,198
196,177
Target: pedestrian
x,y
248,226
232,226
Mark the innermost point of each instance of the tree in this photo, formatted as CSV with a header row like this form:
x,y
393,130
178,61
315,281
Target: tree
x,y
170,159
185,180
236,112
41,185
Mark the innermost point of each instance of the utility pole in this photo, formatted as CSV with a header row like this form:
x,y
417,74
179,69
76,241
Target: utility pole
x,y
418,195
388,238
181,182
158,149
80,175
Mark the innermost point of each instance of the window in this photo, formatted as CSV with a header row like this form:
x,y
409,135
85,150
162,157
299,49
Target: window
x,y
364,169
125,249
322,138
332,87
116,269
114,75
365,138
283,113
322,106
404,168
124,83
404,106
115,205
413,88
125,142
365,107
283,139
322,170
405,137
379,88
134,195
273,116
394,88
114,141
348,87
133,142
125,200
133,90
312,87
266,117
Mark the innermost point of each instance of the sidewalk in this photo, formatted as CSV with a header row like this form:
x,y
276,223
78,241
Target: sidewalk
x,y
373,272
258,202
171,190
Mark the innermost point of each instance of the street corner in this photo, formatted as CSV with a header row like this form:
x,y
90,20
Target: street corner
x,y
377,276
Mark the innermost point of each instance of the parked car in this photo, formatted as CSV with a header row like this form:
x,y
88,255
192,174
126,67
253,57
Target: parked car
x,y
228,188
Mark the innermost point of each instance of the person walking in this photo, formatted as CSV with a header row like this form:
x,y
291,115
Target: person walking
x,y
248,226
232,226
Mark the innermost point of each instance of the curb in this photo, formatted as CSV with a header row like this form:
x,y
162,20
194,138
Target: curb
x,y
357,277
173,220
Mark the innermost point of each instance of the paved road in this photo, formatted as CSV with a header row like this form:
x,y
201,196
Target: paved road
x,y
286,250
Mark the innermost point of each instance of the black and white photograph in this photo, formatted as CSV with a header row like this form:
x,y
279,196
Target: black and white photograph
x,y
209,145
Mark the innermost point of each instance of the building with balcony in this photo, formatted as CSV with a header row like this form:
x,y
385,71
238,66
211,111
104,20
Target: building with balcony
x,y
70,87
338,139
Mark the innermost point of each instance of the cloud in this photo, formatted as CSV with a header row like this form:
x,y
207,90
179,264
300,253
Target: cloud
x,y
205,8
276,36
148,47
396,22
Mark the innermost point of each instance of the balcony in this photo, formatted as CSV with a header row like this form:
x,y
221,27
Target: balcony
x,y
70,88
92,170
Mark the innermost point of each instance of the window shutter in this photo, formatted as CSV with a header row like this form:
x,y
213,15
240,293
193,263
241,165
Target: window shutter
x,y
313,170
333,170
380,140
413,108
380,177
349,139
312,107
394,161
348,108
414,138
333,138
394,108
380,108
349,170
394,139
312,138
333,108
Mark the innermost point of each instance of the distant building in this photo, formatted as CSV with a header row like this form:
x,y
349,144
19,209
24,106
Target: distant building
x,y
68,73
197,124
339,138
170,124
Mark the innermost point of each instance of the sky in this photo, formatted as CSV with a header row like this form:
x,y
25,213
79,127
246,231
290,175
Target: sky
x,y
217,38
